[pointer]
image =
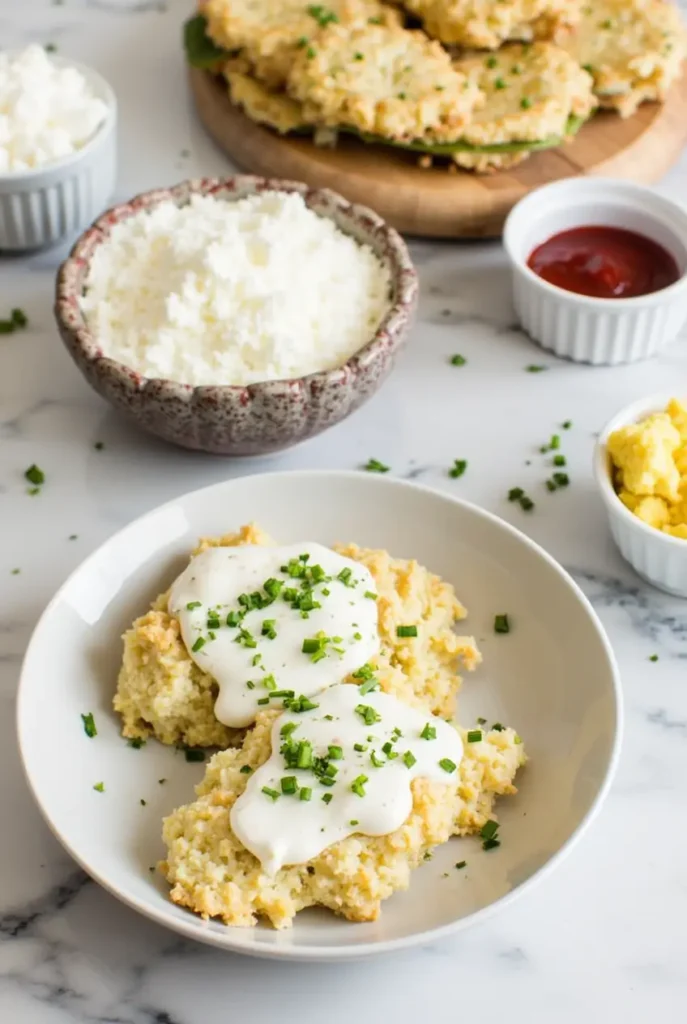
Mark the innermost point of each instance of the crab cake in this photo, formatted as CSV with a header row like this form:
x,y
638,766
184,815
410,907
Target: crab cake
x,y
531,94
161,692
633,49
269,32
384,81
486,24
275,109
214,875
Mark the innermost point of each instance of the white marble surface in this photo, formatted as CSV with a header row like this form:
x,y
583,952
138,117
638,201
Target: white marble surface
x,y
605,936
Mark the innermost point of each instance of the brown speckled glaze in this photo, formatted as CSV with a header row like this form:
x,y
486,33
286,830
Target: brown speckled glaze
x,y
259,418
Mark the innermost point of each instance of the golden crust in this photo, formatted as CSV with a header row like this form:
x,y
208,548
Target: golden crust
x,y
634,50
382,80
263,105
161,692
486,24
268,32
489,163
212,874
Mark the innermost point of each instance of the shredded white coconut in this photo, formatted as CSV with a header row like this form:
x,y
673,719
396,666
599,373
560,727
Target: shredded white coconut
x,y
222,292
47,111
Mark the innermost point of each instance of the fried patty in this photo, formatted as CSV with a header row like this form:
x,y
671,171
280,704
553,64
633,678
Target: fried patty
x,y
382,80
486,24
263,105
634,50
269,32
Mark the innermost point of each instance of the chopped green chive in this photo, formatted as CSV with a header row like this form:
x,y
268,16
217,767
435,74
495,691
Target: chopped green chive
x,y
555,442
268,628
375,466
193,754
515,494
561,479
499,84
310,53
336,753
358,56
191,605
370,594
481,721
305,793
491,62
287,728
358,785
35,475
271,793
652,657
289,785
19,318
15,572
461,864
567,425
497,727
327,798
368,714
428,733
459,467
458,360
489,829
99,787
447,764
533,368
409,759
491,844
501,624
263,700
99,445
142,802
245,769
474,736
353,822
89,725
360,747
378,762
525,103
526,504
405,631
200,642
136,743
559,460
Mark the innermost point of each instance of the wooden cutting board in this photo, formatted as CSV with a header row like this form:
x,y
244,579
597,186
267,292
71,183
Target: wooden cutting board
x,y
432,202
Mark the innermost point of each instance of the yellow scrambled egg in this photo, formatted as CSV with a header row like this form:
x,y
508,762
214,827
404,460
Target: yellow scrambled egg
x,y
650,468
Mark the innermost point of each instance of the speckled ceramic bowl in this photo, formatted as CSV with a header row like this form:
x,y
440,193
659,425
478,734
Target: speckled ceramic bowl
x,y
260,418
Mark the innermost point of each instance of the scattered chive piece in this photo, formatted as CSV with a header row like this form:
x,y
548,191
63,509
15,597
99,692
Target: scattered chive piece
x,y
15,572
33,491
327,798
73,536
533,368
89,725
368,714
461,864
99,445
35,475
555,442
497,727
271,793
406,631
458,360
429,732
559,460
489,829
551,485
353,822
376,761
263,700
491,844
143,803
245,769
447,764
305,793
360,747
375,466
136,743
99,787
409,759
289,785
370,594
358,56
194,755
567,425
561,479
474,736
515,494
458,468
653,657
525,103
19,318
335,753
517,739
491,62
310,52
200,642
481,721
501,624
50,48
161,782
191,605
499,84
358,785
287,728
526,504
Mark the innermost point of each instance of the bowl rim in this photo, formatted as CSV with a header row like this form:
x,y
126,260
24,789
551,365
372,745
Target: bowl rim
x,y
629,414
578,192
189,928
54,167
392,327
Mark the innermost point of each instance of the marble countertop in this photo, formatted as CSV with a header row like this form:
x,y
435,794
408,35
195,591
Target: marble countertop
x,y
604,937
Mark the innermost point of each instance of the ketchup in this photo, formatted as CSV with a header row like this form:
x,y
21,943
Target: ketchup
x,y
605,262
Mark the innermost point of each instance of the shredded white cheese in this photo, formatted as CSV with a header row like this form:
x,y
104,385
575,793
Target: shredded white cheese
x,y
222,292
46,111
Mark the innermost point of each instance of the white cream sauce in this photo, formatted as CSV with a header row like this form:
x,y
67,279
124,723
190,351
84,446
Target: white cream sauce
x,y
263,654
284,829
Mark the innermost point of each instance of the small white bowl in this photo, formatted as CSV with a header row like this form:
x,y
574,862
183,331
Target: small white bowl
x,y
42,206
657,557
583,328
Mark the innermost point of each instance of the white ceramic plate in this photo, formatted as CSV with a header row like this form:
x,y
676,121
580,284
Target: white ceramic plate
x,y
553,678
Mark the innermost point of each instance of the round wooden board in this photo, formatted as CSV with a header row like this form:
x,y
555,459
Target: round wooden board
x,y
432,202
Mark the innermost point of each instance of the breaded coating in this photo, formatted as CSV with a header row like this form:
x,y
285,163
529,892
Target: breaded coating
x,y
263,105
486,24
212,874
384,81
161,692
268,33
531,93
634,50
489,163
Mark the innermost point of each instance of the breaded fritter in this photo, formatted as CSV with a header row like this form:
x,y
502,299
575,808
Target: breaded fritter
x,y
486,24
161,692
634,50
384,81
531,92
263,105
268,33
213,874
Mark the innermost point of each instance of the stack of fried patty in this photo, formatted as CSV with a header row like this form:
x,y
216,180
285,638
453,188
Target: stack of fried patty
x,y
483,83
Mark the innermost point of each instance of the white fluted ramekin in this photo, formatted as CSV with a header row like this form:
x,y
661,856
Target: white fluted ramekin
x,y
658,557
45,205
583,328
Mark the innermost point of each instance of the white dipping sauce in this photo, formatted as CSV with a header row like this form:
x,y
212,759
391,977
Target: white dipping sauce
x,y
263,653
371,791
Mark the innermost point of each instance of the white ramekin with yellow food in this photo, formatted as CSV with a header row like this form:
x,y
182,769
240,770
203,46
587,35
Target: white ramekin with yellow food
x,y
641,471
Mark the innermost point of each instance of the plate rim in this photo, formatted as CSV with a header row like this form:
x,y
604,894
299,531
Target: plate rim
x,y
322,953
